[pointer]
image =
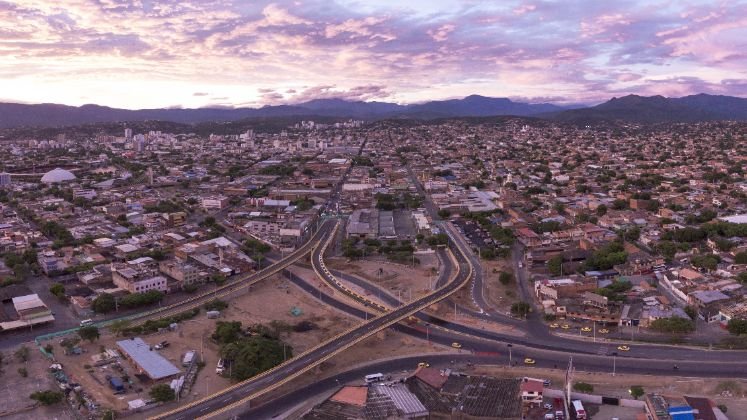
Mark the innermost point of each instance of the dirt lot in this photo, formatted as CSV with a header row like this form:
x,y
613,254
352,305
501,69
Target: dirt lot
x,y
270,300
617,386
16,389
391,278
401,280
499,296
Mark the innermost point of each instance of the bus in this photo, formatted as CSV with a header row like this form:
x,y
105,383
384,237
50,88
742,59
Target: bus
x,y
578,409
374,377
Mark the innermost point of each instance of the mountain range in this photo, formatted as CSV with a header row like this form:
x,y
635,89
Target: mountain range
x,y
631,108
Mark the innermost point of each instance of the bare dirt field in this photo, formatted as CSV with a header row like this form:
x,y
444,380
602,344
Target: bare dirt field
x,y
392,277
16,388
270,300
401,280
499,296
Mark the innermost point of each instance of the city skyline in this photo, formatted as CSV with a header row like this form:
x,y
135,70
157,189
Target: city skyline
x,y
154,54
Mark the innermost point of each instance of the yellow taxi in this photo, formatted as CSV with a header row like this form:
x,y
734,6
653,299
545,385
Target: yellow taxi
x,y
623,348
565,326
554,325
423,365
456,345
586,329
604,331
529,361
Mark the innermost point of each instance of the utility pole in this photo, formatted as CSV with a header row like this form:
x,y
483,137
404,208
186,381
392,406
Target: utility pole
x,y
510,357
614,362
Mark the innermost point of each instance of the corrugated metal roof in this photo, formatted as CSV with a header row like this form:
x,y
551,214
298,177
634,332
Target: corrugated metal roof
x,y
154,365
28,302
403,399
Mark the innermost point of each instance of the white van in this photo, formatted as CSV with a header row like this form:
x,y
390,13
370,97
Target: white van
x,y
220,367
86,322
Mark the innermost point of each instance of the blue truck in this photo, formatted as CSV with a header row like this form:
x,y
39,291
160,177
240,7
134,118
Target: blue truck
x,y
116,384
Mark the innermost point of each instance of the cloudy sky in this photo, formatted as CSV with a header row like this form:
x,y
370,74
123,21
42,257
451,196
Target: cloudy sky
x,y
182,53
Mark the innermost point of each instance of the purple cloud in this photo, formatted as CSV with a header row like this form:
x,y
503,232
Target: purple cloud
x,y
286,52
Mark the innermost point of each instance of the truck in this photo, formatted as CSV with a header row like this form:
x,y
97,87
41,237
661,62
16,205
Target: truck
x,y
374,377
578,409
188,358
116,384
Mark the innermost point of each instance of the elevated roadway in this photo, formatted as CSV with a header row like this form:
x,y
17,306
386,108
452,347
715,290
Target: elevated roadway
x,y
235,399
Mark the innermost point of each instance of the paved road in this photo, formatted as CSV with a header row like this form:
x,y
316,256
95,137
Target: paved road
x,y
277,407
220,404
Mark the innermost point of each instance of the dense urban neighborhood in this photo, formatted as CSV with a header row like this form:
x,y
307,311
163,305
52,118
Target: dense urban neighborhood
x,y
605,236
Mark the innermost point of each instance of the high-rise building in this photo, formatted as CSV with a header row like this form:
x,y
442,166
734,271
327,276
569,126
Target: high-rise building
x,y
128,133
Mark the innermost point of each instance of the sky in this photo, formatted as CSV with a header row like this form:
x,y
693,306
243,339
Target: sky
x,y
235,53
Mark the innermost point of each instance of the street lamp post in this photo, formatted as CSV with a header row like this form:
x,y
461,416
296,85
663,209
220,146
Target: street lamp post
x,y
614,362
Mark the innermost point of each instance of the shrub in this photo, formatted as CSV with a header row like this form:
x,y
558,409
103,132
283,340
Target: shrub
x,y
583,387
47,397
636,391
505,278
162,393
674,325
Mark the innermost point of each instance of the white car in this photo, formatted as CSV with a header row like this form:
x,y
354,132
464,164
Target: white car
x,y
548,406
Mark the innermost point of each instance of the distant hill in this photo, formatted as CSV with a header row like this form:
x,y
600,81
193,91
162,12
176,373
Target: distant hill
x,y
631,108
53,115
477,106
658,109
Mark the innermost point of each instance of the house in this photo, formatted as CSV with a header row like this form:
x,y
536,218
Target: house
x,y
531,392
708,303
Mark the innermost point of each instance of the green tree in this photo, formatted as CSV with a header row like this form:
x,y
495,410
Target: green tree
x,y
47,397
119,326
215,305
162,393
227,332
740,257
505,278
667,249
737,326
254,355
555,265
691,312
707,261
620,204
104,303
90,333
57,289
520,309
601,210
443,213
636,391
